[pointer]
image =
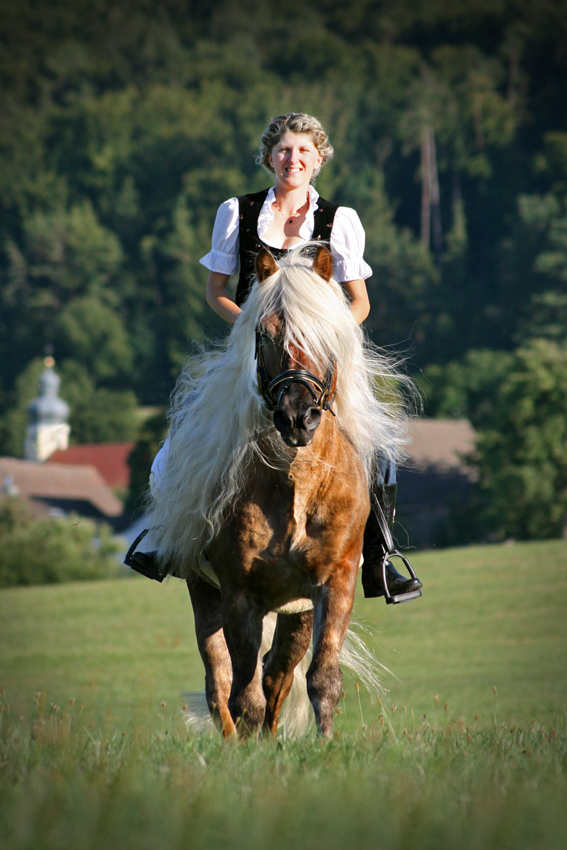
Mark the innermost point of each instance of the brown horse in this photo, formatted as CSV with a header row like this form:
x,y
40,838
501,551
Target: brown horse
x,y
265,497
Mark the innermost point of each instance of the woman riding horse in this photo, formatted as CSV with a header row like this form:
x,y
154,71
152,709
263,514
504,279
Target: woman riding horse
x,y
263,505
293,149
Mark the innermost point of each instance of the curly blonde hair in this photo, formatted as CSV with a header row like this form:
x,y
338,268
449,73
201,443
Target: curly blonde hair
x,y
295,122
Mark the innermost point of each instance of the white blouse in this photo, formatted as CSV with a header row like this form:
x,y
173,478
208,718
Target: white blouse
x,y
347,238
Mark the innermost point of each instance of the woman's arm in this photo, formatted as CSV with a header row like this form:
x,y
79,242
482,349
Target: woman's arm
x,y
219,299
347,247
359,303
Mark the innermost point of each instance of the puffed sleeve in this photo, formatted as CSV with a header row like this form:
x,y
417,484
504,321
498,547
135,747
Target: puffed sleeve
x,y
223,256
347,246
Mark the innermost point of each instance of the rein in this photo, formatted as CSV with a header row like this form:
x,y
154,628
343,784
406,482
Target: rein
x,y
320,390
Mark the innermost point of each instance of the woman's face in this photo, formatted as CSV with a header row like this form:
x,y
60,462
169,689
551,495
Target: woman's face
x,y
294,159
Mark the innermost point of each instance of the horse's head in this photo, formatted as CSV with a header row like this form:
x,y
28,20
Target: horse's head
x,y
291,385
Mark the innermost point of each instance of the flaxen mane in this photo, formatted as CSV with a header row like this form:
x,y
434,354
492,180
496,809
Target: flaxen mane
x,y
218,419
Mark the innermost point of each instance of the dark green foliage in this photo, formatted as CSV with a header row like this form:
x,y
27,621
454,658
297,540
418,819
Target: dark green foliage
x,y
466,389
48,550
125,124
517,403
522,445
140,461
98,415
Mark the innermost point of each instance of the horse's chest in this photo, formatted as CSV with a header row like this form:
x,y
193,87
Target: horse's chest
x,y
302,516
277,522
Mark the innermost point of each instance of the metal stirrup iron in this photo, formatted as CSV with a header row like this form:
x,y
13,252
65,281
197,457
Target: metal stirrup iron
x,y
142,562
392,599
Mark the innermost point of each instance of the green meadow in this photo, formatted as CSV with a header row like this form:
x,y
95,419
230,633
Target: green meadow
x,y
467,747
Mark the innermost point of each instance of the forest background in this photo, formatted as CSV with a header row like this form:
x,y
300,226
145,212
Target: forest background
x,y
123,126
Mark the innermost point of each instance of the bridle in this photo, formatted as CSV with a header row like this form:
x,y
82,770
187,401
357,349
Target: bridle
x,y
320,390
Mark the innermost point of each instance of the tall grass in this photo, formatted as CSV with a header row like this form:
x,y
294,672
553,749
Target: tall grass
x,y
468,750
64,784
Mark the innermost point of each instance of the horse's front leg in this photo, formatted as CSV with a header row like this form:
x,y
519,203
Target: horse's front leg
x,y
206,601
333,607
291,641
242,624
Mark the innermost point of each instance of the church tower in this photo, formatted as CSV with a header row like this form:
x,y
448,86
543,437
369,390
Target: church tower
x,y
48,429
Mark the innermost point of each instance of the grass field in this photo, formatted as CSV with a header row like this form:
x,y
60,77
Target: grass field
x,y
469,749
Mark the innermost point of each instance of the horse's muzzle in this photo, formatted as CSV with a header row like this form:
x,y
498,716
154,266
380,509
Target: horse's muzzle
x,y
297,424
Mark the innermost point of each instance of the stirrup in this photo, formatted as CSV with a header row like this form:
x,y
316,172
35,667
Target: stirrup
x,y
142,562
392,552
394,599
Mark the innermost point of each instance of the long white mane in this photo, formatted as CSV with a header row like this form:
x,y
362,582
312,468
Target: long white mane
x,y
219,425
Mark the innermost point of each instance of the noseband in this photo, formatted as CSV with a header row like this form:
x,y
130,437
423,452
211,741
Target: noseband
x,y
320,390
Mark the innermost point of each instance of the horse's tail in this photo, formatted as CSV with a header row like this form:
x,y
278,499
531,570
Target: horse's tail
x,y
296,713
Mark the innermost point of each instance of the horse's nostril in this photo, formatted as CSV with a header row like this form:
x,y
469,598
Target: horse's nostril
x,y
283,421
311,419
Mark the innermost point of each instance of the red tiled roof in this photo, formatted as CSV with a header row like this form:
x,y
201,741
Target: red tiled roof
x,y
109,458
57,481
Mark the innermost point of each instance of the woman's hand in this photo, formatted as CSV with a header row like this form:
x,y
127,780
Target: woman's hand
x,y
219,299
359,303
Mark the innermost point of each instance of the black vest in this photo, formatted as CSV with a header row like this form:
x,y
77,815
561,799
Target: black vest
x,y
249,207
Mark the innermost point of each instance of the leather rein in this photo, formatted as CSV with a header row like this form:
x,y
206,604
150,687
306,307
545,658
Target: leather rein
x,y
320,390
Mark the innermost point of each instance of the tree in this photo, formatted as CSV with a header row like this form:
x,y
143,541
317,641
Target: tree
x,y
46,550
140,461
97,414
522,445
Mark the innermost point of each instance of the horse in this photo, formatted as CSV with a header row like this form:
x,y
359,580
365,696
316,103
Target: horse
x,y
264,501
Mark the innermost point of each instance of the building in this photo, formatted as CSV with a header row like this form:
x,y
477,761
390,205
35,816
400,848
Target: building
x,y
47,430
111,460
53,479
436,479
55,489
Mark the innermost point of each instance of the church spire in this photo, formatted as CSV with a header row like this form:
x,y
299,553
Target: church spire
x,y
47,430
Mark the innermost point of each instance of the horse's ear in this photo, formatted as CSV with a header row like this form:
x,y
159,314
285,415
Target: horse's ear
x,y
264,265
323,263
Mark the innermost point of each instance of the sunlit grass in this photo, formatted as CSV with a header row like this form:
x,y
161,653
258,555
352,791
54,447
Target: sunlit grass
x,y
467,749
492,616
398,785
